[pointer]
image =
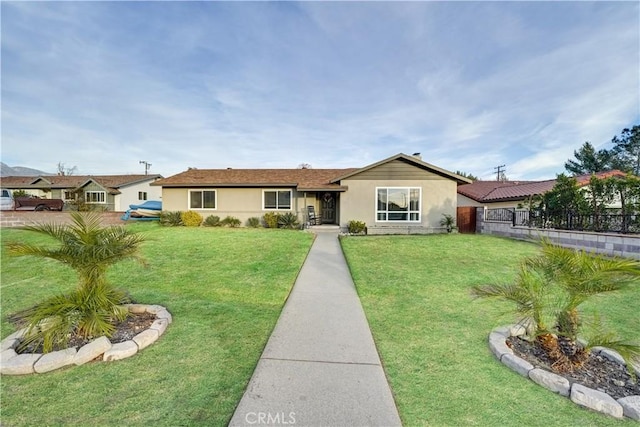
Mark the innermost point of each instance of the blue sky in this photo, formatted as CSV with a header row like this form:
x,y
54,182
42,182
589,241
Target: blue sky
x,y
470,85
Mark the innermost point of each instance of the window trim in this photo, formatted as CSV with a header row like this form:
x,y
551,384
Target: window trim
x,y
408,211
202,190
276,190
72,193
142,195
103,197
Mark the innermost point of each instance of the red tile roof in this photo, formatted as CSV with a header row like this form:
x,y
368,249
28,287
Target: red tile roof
x,y
495,191
303,179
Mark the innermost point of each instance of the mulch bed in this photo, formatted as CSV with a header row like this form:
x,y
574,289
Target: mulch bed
x,y
125,330
598,373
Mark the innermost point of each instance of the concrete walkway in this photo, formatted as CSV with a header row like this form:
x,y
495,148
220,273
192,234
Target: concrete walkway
x,y
320,366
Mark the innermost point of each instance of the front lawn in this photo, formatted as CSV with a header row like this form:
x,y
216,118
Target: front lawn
x,y
432,337
225,289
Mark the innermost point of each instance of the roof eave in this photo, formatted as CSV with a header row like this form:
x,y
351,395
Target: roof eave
x,y
412,159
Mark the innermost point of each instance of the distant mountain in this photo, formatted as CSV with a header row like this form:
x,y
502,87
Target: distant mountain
x,y
6,170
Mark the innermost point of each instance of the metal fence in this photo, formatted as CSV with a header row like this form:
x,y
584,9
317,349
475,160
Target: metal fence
x,y
602,223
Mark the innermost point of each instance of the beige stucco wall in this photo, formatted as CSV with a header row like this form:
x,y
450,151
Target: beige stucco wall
x,y
242,203
466,201
359,202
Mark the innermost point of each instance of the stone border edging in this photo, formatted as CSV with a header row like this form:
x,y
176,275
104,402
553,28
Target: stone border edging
x,y
584,396
12,363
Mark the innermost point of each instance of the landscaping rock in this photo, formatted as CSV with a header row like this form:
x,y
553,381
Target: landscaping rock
x,y
160,325
596,400
519,365
21,364
146,338
503,330
631,407
164,314
6,343
17,335
497,344
154,309
136,308
54,360
119,351
7,354
92,350
550,381
613,356
517,331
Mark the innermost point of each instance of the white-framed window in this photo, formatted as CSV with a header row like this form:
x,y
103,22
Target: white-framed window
x,y
95,197
398,204
203,199
279,200
142,195
69,195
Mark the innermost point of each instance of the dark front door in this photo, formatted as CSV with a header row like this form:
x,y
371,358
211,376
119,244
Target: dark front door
x,y
328,208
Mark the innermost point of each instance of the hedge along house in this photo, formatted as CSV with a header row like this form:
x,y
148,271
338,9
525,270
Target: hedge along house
x,y
104,192
398,195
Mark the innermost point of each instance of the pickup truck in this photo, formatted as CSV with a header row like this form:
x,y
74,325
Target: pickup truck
x,y
33,203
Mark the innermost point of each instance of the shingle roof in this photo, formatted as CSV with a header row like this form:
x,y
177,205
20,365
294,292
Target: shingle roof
x,y
494,191
303,179
112,182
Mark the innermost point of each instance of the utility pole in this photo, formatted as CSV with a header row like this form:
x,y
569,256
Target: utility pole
x,y
147,166
500,170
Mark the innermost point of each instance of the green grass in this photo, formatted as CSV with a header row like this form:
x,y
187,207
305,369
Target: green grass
x,y
225,289
432,337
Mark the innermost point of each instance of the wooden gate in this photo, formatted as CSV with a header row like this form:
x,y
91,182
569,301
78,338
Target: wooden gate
x,y
466,219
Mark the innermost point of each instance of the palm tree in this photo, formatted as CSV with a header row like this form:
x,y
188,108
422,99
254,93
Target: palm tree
x,y
92,308
549,290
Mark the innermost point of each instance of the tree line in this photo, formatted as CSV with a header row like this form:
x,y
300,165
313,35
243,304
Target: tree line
x,y
605,204
623,156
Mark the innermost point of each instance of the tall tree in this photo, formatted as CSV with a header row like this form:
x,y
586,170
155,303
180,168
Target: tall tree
x,y
588,160
467,175
626,150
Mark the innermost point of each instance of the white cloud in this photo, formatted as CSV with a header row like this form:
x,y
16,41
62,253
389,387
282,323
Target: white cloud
x,y
470,85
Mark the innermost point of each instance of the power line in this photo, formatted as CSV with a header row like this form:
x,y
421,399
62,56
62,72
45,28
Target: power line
x,y
147,165
500,170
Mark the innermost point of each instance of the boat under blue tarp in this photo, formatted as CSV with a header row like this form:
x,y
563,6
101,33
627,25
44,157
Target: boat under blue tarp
x,y
147,211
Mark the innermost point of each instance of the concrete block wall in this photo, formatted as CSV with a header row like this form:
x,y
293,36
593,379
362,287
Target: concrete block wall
x,y
626,245
11,219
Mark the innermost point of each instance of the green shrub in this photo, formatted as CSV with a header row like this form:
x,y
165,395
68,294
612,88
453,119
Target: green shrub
x,y
170,219
212,221
271,219
191,218
253,222
231,221
357,227
20,193
288,220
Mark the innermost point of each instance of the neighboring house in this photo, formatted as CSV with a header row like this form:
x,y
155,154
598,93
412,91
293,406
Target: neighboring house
x,y
109,192
514,194
401,194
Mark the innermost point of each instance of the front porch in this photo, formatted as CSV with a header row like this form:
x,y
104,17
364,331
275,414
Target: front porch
x,y
321,208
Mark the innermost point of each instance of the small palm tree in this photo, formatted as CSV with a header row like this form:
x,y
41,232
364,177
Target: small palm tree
x,y
92,308
448,221
548,292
